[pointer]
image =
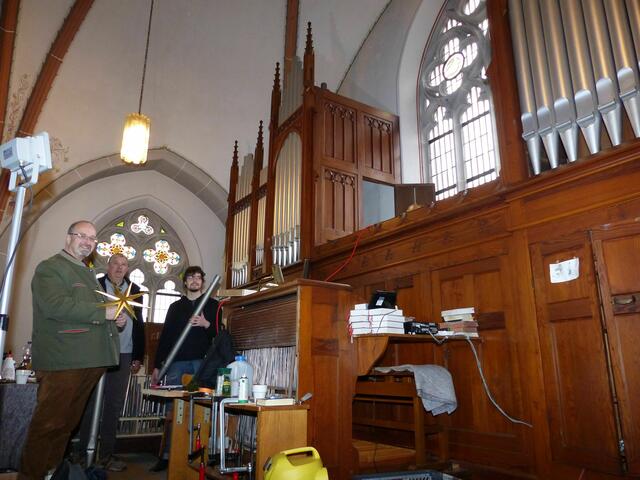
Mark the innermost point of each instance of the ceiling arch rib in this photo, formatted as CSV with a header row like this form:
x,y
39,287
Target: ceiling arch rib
x,y
162,160
8,23
47,74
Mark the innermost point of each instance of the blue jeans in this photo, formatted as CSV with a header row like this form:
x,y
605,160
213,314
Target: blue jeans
x,y
179,368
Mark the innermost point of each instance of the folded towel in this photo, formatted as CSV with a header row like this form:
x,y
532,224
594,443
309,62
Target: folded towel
x,y
433,384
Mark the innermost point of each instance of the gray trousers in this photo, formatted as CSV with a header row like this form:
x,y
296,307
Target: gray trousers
x,y
115,388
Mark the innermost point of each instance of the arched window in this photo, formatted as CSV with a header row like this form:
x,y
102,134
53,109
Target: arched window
x,y
457,130
156,258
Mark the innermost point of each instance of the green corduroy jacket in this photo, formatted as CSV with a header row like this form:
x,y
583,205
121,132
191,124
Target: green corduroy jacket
x,y
69,326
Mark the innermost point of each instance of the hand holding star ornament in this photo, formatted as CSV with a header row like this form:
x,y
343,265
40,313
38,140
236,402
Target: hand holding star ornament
x,y
122,301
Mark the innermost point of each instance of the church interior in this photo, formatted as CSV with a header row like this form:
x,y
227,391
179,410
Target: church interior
x,y
476,156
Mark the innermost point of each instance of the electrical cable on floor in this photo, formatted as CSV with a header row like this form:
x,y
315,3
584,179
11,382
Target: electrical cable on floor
x,y
486,387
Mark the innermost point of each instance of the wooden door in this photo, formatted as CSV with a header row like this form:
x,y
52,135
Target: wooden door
x,y
578,394
617,254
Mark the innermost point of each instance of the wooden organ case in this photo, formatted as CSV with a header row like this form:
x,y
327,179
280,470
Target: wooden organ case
x,y
308,319
322,147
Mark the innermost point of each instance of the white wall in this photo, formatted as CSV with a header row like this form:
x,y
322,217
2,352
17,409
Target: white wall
x,y
200,231
385,73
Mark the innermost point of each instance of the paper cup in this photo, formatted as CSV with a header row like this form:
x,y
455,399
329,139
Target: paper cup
x,y
259,391
22,376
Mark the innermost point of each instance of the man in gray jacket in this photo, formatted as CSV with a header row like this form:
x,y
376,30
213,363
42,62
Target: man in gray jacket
x,y
74,340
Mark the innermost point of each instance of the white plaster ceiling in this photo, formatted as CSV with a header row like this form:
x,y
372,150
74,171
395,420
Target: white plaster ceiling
x,y
209,73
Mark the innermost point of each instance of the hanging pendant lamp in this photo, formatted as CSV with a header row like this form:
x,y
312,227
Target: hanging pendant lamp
x,y
135,138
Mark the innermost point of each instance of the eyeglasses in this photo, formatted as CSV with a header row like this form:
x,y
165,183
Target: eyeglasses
x,y
82,236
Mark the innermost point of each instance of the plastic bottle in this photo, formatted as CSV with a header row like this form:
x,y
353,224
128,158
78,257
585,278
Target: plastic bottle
x,y
240,368
243,389
9,368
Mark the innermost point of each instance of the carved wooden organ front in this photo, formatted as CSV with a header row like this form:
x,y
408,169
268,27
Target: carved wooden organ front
x,y
322,147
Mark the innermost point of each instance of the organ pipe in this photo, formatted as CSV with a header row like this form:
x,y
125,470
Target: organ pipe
x,y
584,87
541,80
563,105
525,85
577,62
625,61
603,68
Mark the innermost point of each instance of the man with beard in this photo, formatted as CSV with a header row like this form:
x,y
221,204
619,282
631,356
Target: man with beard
x,y
189,357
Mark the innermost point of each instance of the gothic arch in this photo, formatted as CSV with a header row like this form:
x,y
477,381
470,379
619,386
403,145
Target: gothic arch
x,y
161,160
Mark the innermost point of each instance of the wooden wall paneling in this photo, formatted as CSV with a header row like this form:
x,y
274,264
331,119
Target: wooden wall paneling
x,y
482,284
598,183
573,360
617,253
325,368
524,335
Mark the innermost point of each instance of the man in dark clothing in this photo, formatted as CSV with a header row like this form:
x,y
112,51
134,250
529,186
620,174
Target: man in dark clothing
x,y
132,344
196,344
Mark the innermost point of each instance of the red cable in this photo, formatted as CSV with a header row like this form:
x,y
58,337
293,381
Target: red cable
x,y
346,262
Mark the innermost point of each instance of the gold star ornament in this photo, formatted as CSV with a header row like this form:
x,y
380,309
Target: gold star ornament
x,y
122,300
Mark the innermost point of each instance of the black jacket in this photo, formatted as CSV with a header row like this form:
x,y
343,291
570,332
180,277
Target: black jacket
x,y
198,340
138,323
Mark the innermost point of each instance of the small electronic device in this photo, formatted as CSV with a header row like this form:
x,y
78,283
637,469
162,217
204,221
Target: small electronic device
x,y
420,328
382,299
26,156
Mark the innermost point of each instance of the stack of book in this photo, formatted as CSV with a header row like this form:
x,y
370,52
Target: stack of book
x,y
364,321
458,322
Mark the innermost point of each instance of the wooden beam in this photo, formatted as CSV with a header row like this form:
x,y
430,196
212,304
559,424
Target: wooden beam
x,y
48,73
52,63
290,36
8,23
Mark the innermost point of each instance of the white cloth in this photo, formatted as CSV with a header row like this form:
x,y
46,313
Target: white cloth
x,y
433,384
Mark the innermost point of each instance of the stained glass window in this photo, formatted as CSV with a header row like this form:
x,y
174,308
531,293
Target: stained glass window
x,y
456,112
156,258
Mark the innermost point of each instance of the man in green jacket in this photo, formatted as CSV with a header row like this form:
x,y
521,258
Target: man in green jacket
x,y
74,340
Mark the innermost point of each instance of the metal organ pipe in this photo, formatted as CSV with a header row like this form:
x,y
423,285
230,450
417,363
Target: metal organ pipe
x,y
584,87
541,81
625,61
579,66
633,10
563,105
287,202
240,261
525,85
603,68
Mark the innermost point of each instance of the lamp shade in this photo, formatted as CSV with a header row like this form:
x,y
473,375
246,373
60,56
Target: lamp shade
x,y
135,139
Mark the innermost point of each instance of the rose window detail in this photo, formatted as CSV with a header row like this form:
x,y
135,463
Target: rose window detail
x,y
161,257
118,245
142,226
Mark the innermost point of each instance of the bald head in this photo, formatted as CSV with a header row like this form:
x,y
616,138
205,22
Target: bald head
x,y
81,239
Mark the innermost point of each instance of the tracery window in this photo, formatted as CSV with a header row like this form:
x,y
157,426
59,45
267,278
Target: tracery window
x,y
156,258
457,130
